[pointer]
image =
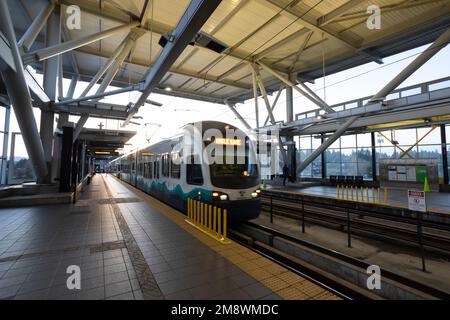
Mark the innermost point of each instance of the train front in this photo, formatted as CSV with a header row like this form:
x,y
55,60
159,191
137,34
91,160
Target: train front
x,y
234,175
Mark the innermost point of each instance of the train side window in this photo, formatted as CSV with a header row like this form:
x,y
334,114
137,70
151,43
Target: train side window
x,y
157,170
150,170
175,166
194,173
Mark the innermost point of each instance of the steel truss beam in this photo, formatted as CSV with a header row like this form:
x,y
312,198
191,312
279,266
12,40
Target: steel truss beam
x,y
190,23
238,115
36,26
46,53
312,97
419,61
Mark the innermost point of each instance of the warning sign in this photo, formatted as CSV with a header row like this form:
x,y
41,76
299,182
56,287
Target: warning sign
x,y
416,201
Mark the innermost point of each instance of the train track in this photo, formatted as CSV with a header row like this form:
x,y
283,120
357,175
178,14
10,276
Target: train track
x,y
435,236
326,278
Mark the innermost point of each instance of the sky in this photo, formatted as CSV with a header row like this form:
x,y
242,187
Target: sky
x,y
163,122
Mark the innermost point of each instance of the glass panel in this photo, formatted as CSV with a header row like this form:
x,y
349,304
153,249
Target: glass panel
x,y
364,159
348,155
317,168
22,170
381,141
410,92
336,144
406,137
305,142
333,155
385,153
333,168
439,85
432,152
316,141
348,141
2,118
364,140
434,137
349,169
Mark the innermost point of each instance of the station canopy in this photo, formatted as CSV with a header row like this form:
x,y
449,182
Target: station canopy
x,y
298,38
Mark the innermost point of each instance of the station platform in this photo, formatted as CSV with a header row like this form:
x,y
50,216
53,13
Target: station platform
x,y
130,246
437,202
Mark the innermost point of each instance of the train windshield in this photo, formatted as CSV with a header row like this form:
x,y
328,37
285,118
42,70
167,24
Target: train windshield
x,y
235,172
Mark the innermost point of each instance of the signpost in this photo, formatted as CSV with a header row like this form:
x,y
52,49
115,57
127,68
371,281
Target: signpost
x,y
417,202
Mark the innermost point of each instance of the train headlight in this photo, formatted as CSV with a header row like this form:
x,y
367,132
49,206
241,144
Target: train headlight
x,y
254,195
216,196
258,191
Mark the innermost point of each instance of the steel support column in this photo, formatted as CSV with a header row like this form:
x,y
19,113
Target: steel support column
x,y
291,157
374,156
419,61
255,97
196,14
5,146
20,98
444,154
50,82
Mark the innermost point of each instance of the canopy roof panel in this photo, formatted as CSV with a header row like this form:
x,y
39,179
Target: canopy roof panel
x,y
289,36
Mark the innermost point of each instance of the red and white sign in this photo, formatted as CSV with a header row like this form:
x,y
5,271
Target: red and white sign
x,y
416,201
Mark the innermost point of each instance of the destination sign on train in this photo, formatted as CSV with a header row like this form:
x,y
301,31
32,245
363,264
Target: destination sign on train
x,y
228,141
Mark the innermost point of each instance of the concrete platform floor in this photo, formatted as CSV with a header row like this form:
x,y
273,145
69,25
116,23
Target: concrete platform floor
x,y
400,260
438,202
130,246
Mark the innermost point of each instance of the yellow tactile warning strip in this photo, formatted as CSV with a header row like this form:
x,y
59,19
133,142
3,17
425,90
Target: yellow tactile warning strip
x,y
280,280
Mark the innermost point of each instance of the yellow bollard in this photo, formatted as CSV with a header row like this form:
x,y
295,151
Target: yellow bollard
x,y
343,190
209,217
215,219
379,196
367,195
357,194
385,195
346,192
219,223
194,213
373,195
362,194
201,215
189,208
337,191
352,192
225,217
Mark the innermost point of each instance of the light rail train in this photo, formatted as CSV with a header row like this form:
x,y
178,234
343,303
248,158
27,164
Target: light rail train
x,y
232,183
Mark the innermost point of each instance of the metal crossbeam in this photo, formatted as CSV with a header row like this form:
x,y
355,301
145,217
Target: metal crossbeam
x,y
190,23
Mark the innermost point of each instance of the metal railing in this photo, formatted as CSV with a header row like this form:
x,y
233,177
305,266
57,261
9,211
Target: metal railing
x,y
400,93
